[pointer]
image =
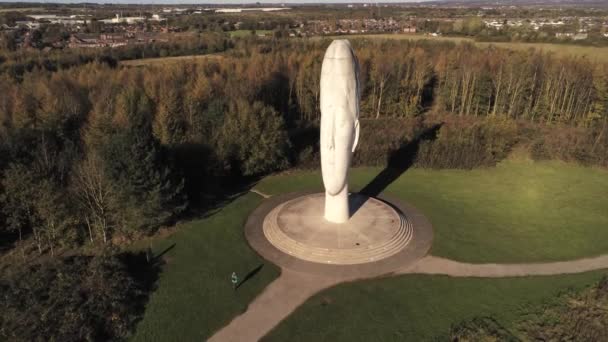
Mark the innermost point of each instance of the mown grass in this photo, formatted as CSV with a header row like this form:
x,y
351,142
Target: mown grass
x,y
419,308
599,54
194,297
516,212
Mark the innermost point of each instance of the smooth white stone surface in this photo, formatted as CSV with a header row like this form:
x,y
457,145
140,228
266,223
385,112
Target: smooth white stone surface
x,y
339,125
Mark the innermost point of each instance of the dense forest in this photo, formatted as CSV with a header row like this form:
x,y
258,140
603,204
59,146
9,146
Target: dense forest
x,y
127,148
93,153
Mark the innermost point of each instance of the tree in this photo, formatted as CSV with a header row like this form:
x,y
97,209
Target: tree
x,y
254,137
149,190
51,206
96,196
17,201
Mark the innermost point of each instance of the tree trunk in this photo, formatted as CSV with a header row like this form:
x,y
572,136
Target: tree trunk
x,y
379,99
89,226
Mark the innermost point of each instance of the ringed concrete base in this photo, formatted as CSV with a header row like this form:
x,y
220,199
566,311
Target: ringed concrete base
x,y
393,238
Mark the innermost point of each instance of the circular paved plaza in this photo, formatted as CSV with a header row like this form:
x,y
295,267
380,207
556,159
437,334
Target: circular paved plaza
x,y
383,235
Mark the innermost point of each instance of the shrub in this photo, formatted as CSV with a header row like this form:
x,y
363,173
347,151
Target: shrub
x,y
481,329
75,298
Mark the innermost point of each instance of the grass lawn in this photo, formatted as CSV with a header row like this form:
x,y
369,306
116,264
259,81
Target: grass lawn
x,y
247,33
194,297
418,308
517,212
562,50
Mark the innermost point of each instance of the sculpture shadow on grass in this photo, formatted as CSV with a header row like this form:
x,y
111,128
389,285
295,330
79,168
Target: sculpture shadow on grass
x,y
399,161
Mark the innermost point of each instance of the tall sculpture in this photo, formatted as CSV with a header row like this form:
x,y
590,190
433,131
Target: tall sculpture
x,y
339,125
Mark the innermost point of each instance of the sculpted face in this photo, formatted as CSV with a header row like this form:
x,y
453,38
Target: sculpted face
x,y
339,114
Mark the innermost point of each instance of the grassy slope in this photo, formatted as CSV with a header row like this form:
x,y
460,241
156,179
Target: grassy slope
x,y
194,296
516,212
563,50
417,308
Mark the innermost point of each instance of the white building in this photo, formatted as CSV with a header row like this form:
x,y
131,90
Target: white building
x,y
120,19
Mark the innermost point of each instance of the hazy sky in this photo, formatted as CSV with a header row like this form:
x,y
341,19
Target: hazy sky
x,y
227,2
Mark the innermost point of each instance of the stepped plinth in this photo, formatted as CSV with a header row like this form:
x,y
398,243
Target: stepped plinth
x,y
375,231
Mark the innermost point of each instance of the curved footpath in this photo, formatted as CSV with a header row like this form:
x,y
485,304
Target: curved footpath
x,y
292,289
441,266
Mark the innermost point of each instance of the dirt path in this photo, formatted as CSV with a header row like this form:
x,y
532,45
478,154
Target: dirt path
x,y
441,266
255,191
273,305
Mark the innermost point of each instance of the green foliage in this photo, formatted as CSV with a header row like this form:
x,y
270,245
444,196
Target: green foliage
x,y
149,193
254,139
75,298
467,144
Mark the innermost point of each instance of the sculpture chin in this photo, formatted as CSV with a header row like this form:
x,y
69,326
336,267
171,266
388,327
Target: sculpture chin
x,y
334,190
334,180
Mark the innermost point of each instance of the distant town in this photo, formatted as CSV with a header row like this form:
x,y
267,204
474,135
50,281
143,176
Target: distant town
x,y
97,26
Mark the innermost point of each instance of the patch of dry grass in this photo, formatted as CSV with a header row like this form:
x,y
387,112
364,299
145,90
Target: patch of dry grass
x,y
168,60
561,50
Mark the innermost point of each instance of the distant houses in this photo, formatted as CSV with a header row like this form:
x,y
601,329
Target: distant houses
x,y
112,39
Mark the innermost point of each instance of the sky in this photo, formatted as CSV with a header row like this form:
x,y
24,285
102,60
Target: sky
x,y
225,2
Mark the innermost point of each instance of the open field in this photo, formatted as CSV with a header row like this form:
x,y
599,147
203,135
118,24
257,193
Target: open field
x,y
516,212
419,308
194,295
562,50
247,33
22,9
168,60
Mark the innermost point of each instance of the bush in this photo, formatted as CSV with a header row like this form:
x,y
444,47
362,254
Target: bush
x,y
76,298
575,317
588,146
481,329
437,142
465,143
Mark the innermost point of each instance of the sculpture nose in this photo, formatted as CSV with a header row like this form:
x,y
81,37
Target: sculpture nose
x,y
331,144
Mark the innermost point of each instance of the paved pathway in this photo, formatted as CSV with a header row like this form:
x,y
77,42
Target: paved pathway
x,y
292,289
255,191
441,266
274,304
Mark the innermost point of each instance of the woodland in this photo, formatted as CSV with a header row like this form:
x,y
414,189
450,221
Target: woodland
x,y
95,155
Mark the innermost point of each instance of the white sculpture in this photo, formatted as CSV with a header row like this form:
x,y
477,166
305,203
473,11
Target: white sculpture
x,y
339,125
